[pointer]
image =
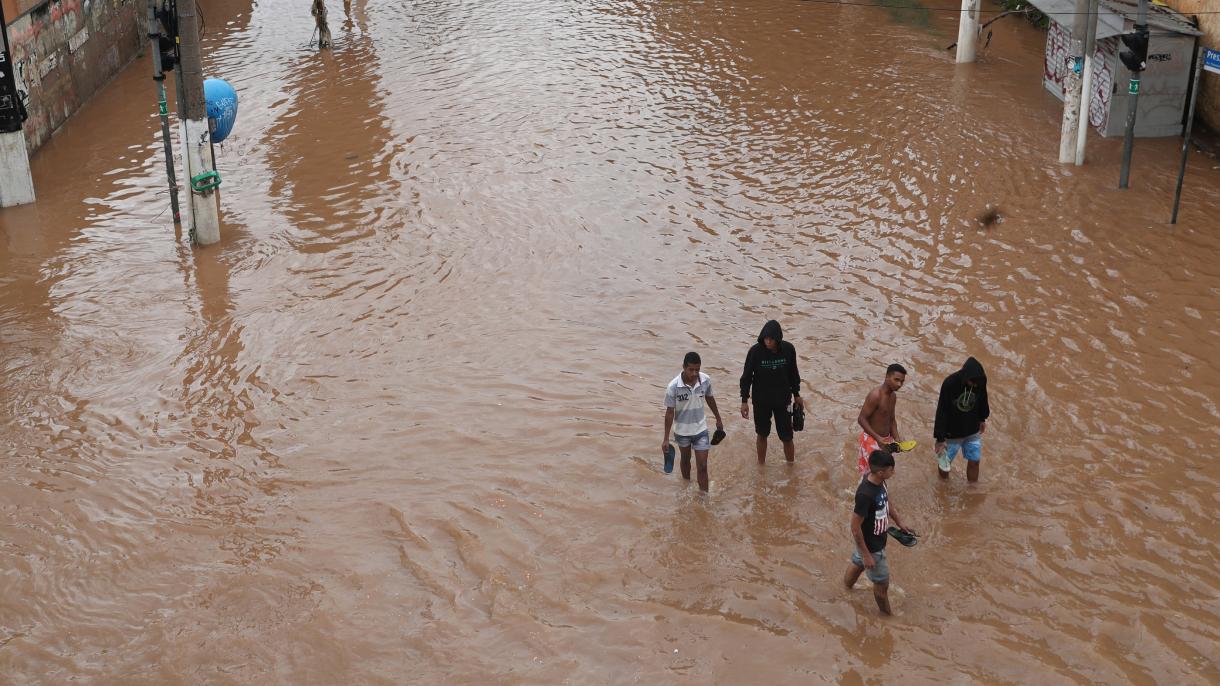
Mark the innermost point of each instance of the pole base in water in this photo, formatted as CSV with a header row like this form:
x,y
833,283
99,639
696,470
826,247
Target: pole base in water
x,y
16,181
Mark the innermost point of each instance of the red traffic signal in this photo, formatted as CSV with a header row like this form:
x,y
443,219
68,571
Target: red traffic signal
x,y
1135,57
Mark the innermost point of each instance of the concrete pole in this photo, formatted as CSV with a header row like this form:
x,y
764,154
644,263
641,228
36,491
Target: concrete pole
x,y
16,181
1090,47
967,31
1071,85
203,209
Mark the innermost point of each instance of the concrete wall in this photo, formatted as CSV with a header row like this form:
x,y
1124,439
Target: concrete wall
x,y
65,50
1209,24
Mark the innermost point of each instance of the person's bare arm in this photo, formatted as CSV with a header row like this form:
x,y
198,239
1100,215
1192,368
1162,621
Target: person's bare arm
x,y
857,535
711,402
898,520
669,422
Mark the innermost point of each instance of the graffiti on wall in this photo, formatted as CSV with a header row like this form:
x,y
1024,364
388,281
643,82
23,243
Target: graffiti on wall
x,y
43,41
1056,65
1103,83
64,50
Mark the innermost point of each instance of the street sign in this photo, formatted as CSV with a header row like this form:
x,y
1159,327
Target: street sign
x,y
1211,60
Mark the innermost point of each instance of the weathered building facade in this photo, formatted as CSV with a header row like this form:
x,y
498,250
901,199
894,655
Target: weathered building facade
x,y
1209,91
64,51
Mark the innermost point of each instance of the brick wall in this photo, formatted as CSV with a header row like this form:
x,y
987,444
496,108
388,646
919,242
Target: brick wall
x,y
64,51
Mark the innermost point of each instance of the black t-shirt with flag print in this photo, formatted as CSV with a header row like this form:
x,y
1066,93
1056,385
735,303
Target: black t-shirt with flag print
x,y
873,505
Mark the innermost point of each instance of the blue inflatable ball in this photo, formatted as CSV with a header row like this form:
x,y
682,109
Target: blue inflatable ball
x,y
221,102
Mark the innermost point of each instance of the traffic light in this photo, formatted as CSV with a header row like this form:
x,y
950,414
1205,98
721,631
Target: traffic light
x,y
167,35
1135,57
169,56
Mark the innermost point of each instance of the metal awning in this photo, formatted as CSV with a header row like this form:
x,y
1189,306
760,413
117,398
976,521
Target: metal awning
x,y
1113,16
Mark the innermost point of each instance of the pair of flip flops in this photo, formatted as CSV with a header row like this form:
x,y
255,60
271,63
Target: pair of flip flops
x,y
670,452
906,538
900,446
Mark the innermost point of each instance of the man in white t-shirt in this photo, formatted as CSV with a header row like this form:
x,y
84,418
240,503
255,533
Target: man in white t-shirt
x,y
685,398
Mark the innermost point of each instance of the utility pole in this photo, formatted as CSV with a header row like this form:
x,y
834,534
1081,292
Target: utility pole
x,y
1090,46
16,181
203,208
157,43
1135,61
967,31
1071,84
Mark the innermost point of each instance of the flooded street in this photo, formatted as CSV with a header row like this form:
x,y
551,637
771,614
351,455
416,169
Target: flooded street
x,y
401,424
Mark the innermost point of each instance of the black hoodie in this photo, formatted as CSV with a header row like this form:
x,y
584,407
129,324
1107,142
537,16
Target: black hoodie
x,y
960,409
772,374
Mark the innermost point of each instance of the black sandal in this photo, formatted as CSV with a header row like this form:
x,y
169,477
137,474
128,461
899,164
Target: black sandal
x,y
904,537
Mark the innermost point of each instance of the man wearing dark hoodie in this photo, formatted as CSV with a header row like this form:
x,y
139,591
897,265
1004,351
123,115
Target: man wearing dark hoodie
x,y
961,418
771,373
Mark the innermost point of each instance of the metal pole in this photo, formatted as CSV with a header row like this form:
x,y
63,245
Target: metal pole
x,y
1086,89
1190,121
1133,90
159,78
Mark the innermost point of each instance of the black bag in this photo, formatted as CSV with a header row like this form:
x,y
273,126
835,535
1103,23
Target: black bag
x,y
798,417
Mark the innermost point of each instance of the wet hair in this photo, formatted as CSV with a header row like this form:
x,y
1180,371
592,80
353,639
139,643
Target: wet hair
x,y
895,368
879,459
691,358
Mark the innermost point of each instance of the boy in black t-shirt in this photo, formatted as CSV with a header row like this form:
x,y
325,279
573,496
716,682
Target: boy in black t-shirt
x,y
869,521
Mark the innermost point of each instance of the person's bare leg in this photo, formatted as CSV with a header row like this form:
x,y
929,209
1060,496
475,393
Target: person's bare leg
x,y
701,466
852,575
790,451
881,593
685,462
943,475
972,471
761,443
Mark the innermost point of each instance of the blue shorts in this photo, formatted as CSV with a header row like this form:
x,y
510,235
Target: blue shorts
x,y
971,447
880,573
699,441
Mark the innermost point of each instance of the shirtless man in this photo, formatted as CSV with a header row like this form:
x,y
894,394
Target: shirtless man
x,y
878,421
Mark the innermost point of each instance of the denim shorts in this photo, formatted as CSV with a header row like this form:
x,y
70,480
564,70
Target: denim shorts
x,y
880,573
971,447
699,441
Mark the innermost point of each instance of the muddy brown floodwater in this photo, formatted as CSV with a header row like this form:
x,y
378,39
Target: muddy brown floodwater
x,y
401,424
